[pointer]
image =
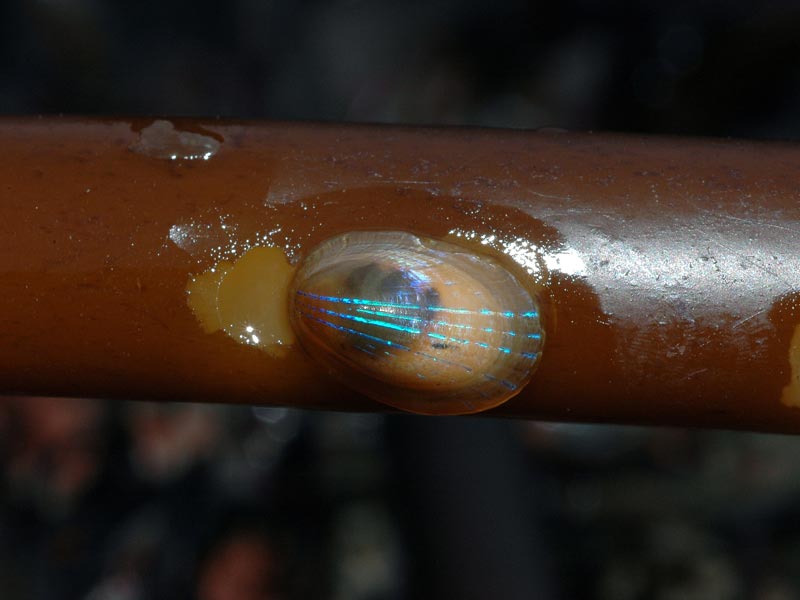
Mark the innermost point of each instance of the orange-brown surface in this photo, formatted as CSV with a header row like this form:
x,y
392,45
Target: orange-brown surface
x,y
669,268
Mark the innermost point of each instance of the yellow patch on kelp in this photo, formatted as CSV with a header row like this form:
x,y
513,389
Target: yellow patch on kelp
x,y
791,393
247,299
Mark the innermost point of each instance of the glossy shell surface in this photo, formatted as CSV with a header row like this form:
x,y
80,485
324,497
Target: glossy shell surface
x,y
421,325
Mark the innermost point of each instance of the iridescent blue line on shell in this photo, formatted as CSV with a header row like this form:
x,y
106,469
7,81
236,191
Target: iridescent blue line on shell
x,y
401,347
532,336
394,345
368,321
392,326
531,314
390,343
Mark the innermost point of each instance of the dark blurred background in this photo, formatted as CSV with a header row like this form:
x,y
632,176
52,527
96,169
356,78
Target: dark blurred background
x,y
130,501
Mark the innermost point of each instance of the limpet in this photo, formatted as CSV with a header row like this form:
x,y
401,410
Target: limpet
x,y
419,324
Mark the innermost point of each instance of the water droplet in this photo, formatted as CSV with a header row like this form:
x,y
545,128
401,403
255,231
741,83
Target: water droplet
x,y
162,140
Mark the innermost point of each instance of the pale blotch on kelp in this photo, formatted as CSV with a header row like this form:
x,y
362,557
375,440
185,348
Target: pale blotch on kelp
x,y
247,299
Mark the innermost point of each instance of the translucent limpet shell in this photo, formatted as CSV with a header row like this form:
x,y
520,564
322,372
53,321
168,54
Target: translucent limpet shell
x,y
418,324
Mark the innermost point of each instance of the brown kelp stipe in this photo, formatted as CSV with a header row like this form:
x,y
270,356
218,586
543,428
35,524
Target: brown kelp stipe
x,y
444,271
